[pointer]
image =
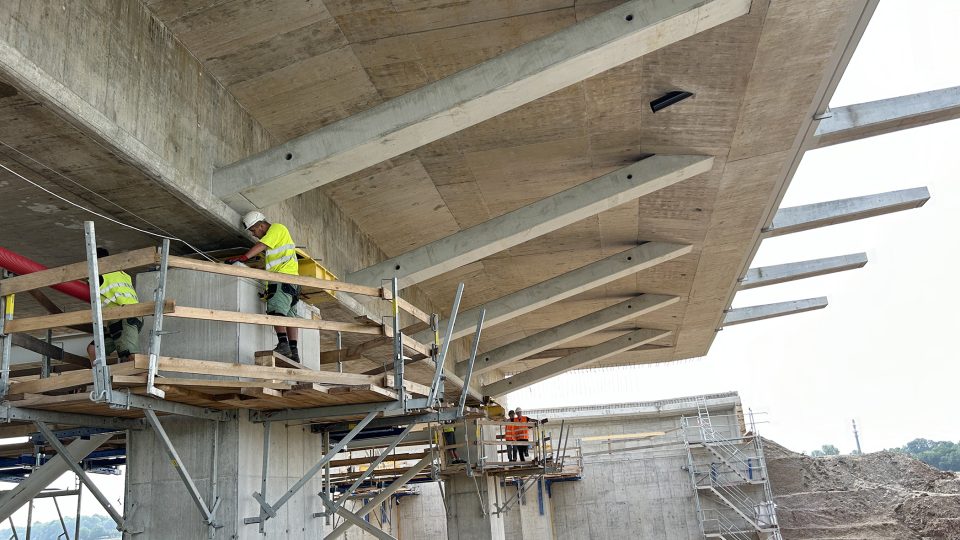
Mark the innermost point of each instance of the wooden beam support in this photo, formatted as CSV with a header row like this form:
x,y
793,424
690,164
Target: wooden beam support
x,y
255,273
204,314
29,324
75,271
225,369
30,343
68,380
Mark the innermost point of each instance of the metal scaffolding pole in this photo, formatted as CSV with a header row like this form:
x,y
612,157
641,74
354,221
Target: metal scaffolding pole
x,y
74,465
373,465
354,519
383,495
102,386
271,510
207,513
447,339
157,332
6,340
470,362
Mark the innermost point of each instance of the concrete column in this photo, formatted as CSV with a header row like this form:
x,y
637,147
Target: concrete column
x,y
468,518
156,499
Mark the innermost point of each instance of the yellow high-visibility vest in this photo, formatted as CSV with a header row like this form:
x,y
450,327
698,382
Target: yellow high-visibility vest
x,y
117,290
281,254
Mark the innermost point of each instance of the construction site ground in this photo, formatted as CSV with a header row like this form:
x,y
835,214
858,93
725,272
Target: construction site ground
x,y
879,496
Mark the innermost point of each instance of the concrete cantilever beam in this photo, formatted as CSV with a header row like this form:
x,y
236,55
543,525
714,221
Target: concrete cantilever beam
x,y
812,216
576,360
864,120
769,311
565,285
469,97
534,220
547,339
781,273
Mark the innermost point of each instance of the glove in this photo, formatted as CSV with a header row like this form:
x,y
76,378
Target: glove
x,y
242,258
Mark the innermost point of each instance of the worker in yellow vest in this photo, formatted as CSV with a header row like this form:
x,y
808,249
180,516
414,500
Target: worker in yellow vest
x,y
123,336
281,257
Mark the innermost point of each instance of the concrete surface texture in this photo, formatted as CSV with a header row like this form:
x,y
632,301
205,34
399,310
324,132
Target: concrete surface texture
x,y
644,493
150,98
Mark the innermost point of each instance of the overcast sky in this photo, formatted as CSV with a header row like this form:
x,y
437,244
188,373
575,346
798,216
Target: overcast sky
x,y
884,351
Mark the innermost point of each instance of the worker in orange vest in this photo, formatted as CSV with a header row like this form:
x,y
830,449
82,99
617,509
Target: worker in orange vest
x,y
523,435
510,434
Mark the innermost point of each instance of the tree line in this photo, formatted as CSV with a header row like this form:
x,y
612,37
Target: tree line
x,y
943,455
95,527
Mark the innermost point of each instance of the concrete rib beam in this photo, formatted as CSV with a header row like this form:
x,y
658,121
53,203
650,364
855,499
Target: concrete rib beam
x,y
542,341
863,120
769,311
467,98
565,285
812,216
782,273
534,220
577,360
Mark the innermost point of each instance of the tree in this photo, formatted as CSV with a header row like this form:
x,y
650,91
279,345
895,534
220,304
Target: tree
x,y
944,455
826,450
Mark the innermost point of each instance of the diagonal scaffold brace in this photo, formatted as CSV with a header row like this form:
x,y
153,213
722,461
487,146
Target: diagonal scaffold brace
x,y
268,510
74,465
208,513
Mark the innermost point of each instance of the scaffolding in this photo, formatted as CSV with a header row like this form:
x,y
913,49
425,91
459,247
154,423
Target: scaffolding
x,y
343,406
728,475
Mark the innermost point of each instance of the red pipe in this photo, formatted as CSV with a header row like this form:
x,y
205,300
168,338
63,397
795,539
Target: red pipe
x,y
18,264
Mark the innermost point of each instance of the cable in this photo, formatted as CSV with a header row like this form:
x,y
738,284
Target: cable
x,y
167,236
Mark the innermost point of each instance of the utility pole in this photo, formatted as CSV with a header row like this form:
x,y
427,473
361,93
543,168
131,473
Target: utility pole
x,y
856,437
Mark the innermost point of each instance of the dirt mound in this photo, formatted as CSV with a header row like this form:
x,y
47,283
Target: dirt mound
x,y
880,496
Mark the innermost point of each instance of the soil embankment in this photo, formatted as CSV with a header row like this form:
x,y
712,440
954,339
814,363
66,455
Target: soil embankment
x,y
880,496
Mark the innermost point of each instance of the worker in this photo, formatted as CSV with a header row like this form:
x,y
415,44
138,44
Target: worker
x,y
123,336
523,435
450,441
281,258
510,434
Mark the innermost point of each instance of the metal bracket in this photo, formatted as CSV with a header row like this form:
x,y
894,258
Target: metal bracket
x,y
354,519
156,333
447,339
473,358
824,115
102,385
208,515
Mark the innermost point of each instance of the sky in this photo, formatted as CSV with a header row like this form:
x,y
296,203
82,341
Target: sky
x,y
883,352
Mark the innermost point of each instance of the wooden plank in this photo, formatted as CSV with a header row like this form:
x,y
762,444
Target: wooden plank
x,y
30,343
190,397
242,271
51,307
366,393
405,305
71,272
28,324
414,388
205,314
69,380
225,369
369,459
309,395
273,358
207,386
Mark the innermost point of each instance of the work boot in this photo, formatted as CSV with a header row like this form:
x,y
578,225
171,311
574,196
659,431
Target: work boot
x,y
284,349
294,355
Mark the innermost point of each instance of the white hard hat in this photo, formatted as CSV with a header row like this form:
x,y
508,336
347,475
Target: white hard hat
x,y
252,218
